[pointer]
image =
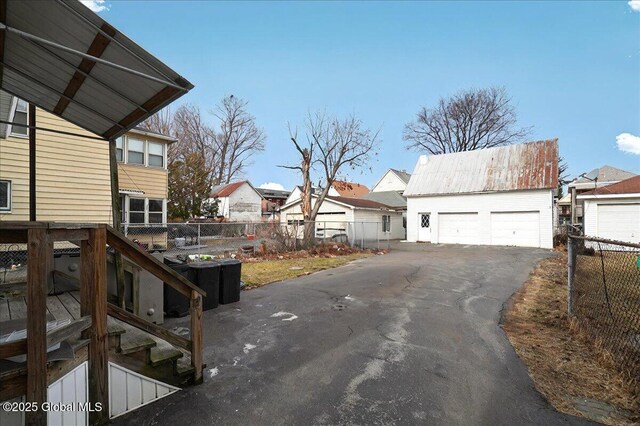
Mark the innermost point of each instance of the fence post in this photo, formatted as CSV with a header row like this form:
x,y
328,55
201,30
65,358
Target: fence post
x,y
255,237
199,243
362,237
389,239
570,274
378,236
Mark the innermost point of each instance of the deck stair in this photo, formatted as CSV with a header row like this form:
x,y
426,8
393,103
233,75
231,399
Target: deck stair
x,y
129,346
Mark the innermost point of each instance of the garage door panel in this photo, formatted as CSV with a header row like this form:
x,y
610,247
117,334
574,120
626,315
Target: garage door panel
x,y
520,229
619,222
458,228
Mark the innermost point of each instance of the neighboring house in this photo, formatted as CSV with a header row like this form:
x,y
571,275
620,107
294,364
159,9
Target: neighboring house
x,y
607,175
392,180
296,193
143,186
354,218
272,199
495,196
76,186
238,201
613,211
338,189
564,210
349,189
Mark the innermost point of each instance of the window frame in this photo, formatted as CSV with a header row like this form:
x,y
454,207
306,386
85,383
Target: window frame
x,y
12,115
428,216
143,211
7,209
143,152
123,149
146,211
163,155
386,223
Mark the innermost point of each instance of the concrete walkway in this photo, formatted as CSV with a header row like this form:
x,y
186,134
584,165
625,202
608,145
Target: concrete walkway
x,y
411,337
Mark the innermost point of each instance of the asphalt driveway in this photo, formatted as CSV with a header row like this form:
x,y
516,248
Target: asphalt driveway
x,y
411,337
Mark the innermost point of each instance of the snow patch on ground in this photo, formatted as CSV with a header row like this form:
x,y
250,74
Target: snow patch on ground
x,y
248,347
348,297
213,372
290,316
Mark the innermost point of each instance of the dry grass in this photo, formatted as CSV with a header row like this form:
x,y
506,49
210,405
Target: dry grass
x,y
259,273
565,366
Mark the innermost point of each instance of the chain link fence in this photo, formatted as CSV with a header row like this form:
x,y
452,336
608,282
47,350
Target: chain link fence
x,y
604,297
221,238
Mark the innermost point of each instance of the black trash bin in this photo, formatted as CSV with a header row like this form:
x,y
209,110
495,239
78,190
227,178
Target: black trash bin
x,y
175,303
208,278
230,270
205,274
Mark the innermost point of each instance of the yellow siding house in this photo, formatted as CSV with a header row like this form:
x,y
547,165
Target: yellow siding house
x,y
73,177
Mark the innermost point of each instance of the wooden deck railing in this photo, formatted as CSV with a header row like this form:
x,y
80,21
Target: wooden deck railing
x,y
39,238
134,253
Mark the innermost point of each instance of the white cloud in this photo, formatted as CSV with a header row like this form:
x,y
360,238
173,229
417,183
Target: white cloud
x,y
96,5
628,143
634,5
272,185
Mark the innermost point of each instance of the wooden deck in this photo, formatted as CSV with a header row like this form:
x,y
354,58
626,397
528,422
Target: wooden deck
x,y
60,307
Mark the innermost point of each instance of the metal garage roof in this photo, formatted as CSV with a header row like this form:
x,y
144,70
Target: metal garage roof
x,y
63,58
532,165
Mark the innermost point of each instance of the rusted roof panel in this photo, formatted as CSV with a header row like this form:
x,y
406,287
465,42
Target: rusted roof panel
x,y
627,186
532,165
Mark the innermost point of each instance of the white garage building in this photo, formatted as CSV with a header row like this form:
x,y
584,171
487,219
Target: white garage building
x,y
356,218
613,212
495,196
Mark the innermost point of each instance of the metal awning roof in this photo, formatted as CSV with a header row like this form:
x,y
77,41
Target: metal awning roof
x,y
63,58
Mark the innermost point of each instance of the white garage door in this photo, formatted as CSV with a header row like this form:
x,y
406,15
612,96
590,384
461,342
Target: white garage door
x,y
458,228
619,222
515,229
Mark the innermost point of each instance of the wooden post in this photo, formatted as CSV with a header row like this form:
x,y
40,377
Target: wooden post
x,y
32,162
39,259
116,212
93,302
195,311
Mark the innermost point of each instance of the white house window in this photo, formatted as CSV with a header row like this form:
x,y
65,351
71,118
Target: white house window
x,y
156,211
424,220
5,195
135,151
136,210
20,116
120,149
386,223
156,154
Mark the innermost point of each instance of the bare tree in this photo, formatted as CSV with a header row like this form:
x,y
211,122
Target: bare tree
x,y
563,177
238,139
473,119
191,161
160,122
331,145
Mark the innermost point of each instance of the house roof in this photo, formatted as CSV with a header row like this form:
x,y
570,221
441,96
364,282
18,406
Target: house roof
x,y
93,75
388,198
273,193
225,190
402,174
627,186
358,202
350,189
532,165
145,132
605,174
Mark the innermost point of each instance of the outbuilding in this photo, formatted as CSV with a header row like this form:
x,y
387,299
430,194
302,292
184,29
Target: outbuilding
x,y
613,212
238,201
356,219
495,196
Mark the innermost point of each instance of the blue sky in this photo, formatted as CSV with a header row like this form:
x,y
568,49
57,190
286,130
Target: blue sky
x,y
571,68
